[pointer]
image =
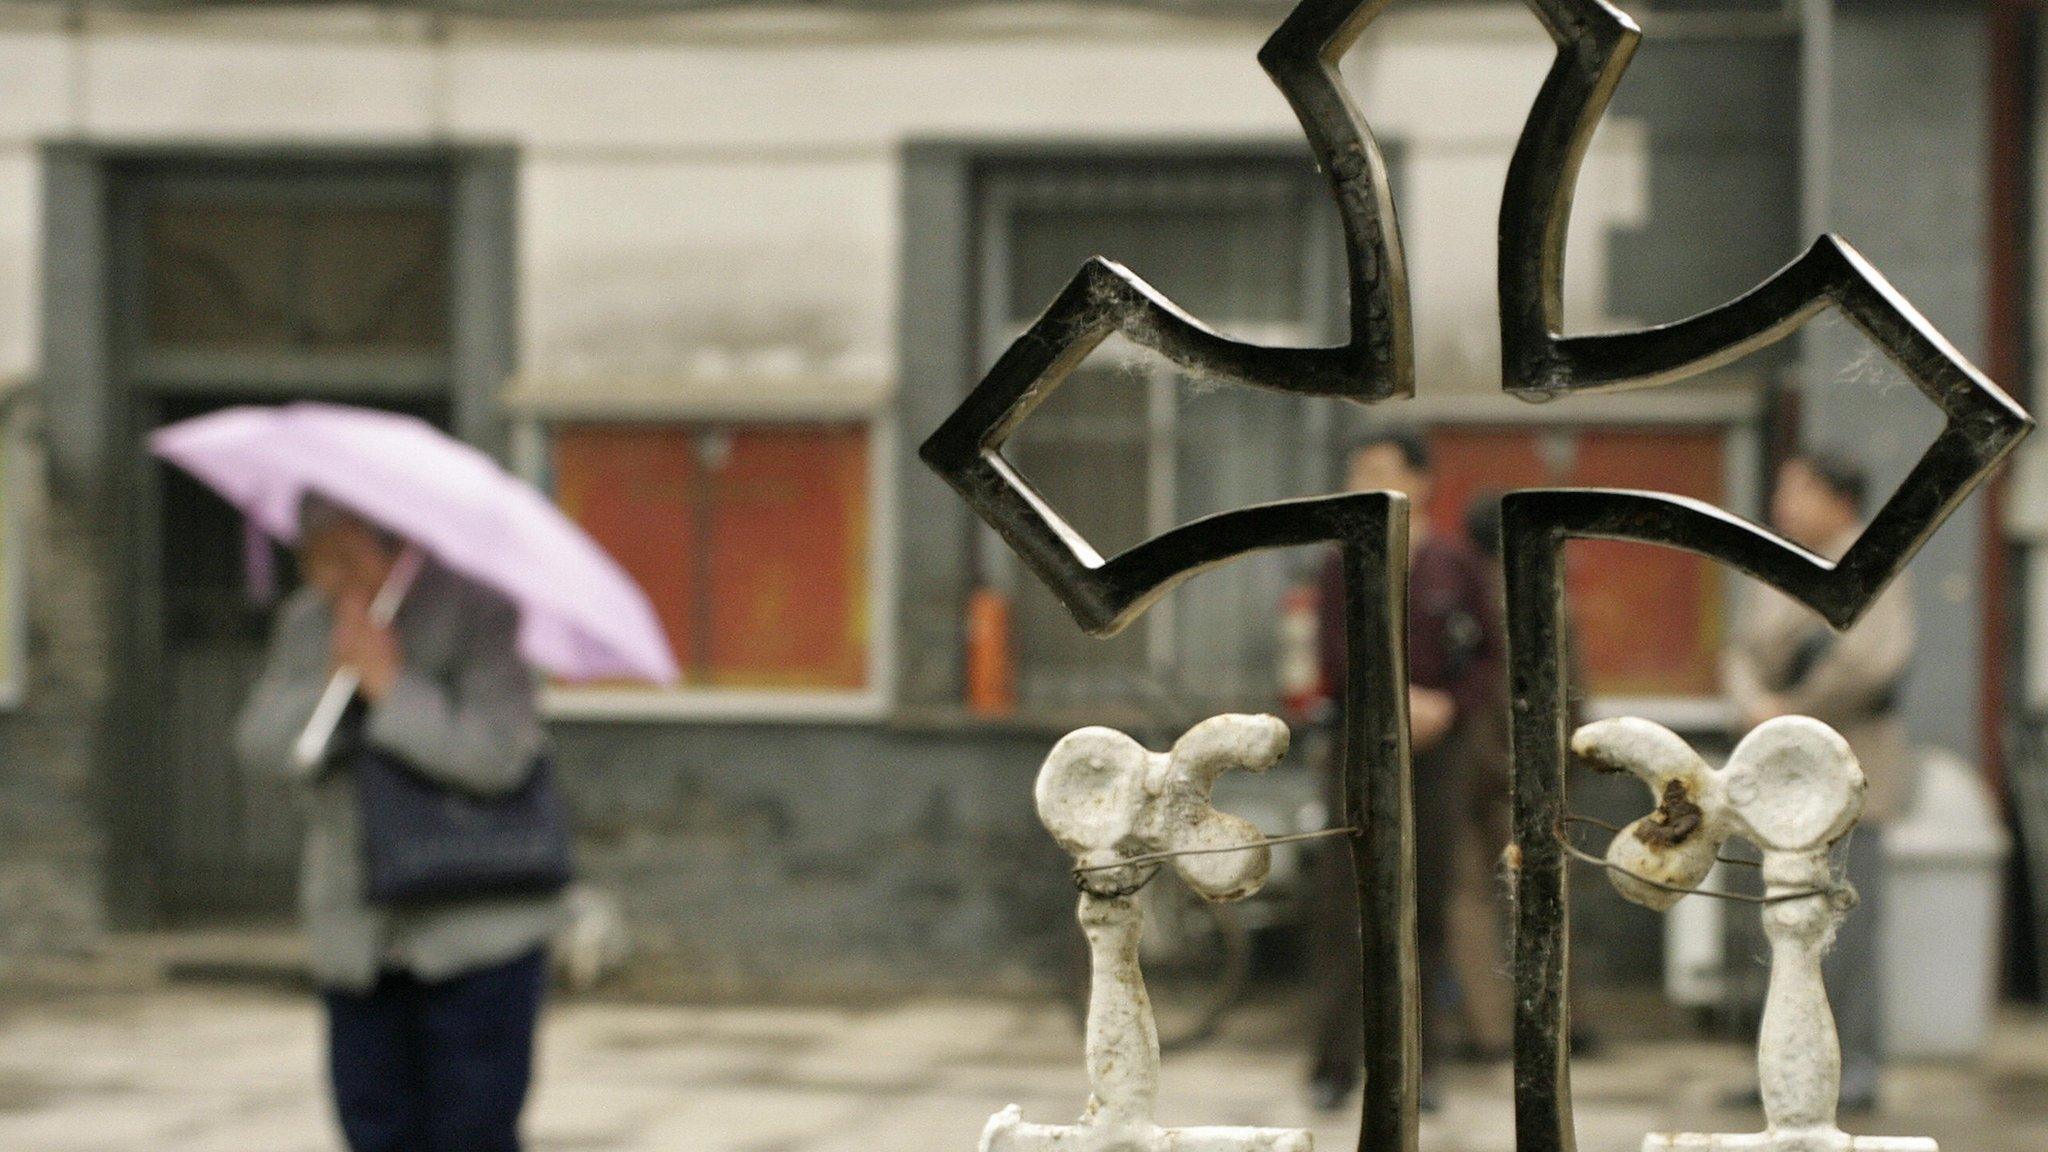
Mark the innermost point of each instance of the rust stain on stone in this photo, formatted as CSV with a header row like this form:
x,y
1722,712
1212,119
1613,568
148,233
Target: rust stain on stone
x,y
1674,821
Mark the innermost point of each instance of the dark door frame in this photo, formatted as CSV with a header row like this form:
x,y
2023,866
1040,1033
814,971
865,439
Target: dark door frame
x,y
94,418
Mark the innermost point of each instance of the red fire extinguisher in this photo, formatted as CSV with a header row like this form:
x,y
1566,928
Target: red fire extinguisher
x,y
991,668
1302,691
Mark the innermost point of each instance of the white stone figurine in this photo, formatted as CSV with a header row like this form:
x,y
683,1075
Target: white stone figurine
x,y
1792,788
1105,798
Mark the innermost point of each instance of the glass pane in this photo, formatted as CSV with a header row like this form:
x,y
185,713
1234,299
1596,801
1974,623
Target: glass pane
x,y
752,542
216,276
375,278
1232,242
1058,665
1084,451
784,531
1619,592
1234,448
1230,251
632,487
235,276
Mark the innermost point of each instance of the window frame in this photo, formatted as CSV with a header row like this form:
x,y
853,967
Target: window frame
x,y
532,423
263,371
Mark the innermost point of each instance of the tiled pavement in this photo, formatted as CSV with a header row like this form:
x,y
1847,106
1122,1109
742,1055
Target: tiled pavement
x,y
185,1069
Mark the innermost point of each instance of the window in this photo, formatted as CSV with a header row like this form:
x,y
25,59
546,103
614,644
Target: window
x,y
1619,592
751,539
226,275
1129,446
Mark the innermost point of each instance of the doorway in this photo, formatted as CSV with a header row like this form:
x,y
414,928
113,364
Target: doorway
x,y
227,839
245,280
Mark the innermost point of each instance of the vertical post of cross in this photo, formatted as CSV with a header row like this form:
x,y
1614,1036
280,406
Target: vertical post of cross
x,y
1533,554
1377,789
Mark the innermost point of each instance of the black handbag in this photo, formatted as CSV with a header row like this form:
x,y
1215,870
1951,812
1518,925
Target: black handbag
x,y
424,842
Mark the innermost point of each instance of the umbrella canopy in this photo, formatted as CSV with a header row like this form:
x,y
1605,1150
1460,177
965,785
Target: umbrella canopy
x,y
580,616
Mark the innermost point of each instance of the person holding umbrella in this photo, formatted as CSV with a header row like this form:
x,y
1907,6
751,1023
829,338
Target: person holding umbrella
x,y
431,1009
398,689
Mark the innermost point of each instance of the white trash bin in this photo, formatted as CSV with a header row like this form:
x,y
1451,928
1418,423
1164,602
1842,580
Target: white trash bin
x,y
1945,871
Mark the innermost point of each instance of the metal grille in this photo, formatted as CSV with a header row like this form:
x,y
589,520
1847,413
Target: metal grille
x,y
1141,446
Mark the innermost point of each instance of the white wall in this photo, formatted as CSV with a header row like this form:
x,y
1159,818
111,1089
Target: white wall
x,y
717,196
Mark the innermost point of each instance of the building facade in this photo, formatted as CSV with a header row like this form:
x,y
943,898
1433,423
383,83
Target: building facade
x,y
707,278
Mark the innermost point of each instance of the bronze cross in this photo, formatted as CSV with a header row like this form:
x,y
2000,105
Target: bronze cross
x,y
1595,41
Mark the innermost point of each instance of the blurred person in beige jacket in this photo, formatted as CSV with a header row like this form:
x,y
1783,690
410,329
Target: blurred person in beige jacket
x,y
1785,660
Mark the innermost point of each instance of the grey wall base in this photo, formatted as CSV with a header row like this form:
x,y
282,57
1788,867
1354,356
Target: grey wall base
x,y
54,896
840,856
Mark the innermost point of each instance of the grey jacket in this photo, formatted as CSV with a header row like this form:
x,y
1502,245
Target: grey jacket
x,y
461,712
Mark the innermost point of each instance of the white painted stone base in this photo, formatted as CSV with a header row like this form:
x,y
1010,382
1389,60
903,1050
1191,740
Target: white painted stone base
x,y
1007,1131
1107,799
1792,788
1784,1140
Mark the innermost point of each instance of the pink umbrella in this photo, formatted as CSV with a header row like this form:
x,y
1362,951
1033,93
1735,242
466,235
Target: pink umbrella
x,y
580,616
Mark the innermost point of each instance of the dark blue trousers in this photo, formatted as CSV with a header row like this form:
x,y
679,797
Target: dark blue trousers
x,y
436,1066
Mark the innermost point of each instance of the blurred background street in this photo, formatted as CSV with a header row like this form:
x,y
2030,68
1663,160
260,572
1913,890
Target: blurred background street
x,y
703,274
223,1070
